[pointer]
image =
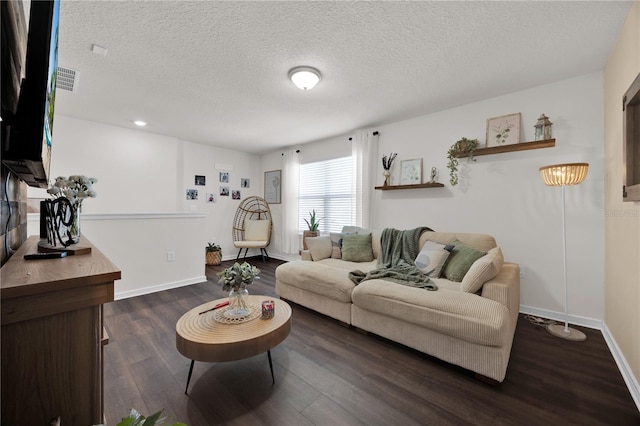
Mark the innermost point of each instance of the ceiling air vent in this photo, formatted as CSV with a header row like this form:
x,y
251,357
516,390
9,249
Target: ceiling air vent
x,y
67,79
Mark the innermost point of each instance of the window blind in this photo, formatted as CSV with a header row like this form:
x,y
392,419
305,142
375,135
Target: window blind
x,y
326,187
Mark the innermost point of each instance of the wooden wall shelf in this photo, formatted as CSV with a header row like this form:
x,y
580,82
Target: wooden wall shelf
x,y
523,146
415,186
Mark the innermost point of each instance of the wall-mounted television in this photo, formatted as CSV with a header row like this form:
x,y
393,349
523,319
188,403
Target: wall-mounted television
x,y
26,148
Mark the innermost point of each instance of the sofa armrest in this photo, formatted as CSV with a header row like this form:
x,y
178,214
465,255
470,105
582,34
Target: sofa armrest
x,y
306,255
505,288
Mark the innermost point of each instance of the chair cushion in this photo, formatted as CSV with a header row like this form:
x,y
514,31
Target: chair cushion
x,y
256,230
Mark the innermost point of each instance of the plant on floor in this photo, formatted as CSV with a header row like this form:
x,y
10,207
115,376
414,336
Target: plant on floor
x,y
462,146
213,247
136,419
312,223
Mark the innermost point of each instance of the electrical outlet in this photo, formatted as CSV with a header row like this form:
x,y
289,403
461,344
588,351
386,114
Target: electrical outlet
x,y
522,274
171,256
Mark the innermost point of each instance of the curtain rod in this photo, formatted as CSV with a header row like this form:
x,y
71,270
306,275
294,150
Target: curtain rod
x,y
297,152
376,133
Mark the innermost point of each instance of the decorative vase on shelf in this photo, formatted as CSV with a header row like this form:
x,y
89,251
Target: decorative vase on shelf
x,y
238,307
387,175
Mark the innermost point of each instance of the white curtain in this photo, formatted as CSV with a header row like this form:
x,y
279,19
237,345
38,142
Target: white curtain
x,y
364,153
290,177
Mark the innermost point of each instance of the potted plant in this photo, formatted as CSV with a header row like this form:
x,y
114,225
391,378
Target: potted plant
x,y
213,254
235,280
313,225
462,146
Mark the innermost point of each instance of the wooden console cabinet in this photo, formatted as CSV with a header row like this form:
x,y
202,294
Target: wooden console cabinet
x,y
52,336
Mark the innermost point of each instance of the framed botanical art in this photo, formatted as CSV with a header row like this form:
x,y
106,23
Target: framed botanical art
x,y
411,172
273,186
503,130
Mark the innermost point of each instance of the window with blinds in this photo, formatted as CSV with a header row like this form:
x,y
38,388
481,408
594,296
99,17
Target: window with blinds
x,y
326,187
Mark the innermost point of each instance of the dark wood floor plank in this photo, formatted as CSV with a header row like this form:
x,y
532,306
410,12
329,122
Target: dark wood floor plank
x,y
328,374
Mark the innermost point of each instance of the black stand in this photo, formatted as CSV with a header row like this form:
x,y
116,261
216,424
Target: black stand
x,y
273,378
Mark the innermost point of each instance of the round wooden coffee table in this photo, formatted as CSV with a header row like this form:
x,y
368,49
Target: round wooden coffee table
x,y
200,337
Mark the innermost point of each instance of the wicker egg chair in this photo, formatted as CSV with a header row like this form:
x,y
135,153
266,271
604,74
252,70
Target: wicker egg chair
x,y
252,226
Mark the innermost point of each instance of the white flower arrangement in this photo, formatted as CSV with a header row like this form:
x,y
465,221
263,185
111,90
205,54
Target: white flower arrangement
x,y
76,188
238,276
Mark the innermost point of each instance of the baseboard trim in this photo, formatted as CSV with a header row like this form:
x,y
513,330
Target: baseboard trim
x,y
559,316
623,366
154,288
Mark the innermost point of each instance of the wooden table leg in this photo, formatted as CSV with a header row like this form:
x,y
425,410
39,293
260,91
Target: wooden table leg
x,y
189,378
273,379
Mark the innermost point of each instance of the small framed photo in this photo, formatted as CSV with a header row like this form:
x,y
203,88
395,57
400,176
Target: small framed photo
x,y
503,130
245,183
192,194
201,180
211,198
224,177
235,194
272,186
224,191
411,172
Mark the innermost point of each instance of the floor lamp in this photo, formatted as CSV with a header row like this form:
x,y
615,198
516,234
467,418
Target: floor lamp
x,y
563,175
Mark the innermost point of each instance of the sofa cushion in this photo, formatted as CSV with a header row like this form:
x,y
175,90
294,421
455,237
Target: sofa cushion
x,y
357,248
482,242
460,260
336,245
431,258
482,270
465,316
318,278
319,247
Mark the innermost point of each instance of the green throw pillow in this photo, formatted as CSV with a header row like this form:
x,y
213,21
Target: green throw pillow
x,y
460,260
357,248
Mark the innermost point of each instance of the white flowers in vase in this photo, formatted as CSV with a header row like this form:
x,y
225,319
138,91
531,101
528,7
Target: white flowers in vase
x,y
76,188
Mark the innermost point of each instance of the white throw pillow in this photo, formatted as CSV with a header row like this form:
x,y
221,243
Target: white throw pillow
x,y
256,230
482,270
431,258
319,247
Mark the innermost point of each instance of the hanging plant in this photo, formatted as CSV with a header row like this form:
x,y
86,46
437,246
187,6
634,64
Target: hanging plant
x,y
462,146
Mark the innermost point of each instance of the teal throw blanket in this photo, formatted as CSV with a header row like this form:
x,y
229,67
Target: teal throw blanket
x,y
398,250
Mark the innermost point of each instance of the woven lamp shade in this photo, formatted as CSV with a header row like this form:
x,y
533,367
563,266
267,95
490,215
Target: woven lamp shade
x,y
564,174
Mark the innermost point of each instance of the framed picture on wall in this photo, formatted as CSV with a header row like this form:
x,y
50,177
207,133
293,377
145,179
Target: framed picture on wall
x,y
273,186
503,130
411,172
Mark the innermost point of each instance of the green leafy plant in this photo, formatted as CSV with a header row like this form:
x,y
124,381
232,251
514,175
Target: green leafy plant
x,y
312,223
462,146
136,419
238,276
213,247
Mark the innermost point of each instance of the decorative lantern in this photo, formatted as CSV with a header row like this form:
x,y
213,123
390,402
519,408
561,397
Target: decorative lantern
x,y
543,128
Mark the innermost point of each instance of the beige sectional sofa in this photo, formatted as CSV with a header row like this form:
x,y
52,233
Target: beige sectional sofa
x,y
473,329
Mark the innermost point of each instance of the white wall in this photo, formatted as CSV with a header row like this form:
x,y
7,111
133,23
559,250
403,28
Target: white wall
x,y
503,194
141,211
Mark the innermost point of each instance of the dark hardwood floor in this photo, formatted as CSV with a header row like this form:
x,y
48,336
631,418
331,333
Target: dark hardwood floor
x,y
328,374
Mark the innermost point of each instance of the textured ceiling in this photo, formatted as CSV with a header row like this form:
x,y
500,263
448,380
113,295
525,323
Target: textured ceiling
x,y
216,72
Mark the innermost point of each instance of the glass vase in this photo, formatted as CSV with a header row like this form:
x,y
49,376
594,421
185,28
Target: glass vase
x,y
74,228
238,299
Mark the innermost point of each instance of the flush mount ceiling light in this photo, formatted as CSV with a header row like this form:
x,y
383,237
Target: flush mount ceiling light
x,y
305,77
140,123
